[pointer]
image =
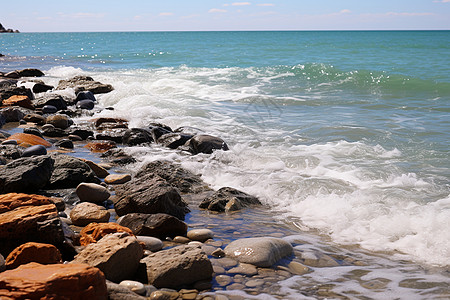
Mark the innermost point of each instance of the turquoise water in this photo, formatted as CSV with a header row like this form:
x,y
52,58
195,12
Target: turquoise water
x,y
346,133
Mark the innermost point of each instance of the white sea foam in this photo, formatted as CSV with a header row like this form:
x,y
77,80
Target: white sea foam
x,y
352,191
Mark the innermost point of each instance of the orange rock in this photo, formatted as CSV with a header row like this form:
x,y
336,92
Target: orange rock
x,y
18,100
58,281
33,252
31,139
98,170
95,231
102,146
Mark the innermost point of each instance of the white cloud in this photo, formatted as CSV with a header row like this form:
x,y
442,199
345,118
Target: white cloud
x,y
217,10
166,14
269,4
345,11
240,3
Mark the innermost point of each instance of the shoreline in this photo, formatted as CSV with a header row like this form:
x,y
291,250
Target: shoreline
x,y
308,255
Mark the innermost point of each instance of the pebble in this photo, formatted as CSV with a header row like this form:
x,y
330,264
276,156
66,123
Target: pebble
x,y
34,150
86,104
195,243
200,235
218,253
64,143
188,294
151,243
225,262
218,270
236,286
75,138
181,239
223,280
49,109
9,142
134,286
163,295
298,268
245,269
117,178
92,192
254,283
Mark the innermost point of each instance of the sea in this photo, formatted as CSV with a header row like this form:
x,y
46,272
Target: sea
x,y
343,135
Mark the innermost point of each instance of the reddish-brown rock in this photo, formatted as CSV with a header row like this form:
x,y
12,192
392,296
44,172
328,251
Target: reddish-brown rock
x,y
58,281
18,100
28,218
33,252
95,231
31,139
100,146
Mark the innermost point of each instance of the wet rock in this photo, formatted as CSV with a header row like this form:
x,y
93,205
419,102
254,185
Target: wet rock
x,y
114,135
157,225
30,139
41,88
158,131
206,144
95,231
28,218
117,178
149,194
49,109
56,281
59,121
228,199
33,252
244,269
34,150
188,130
261,252
178,177
298,268
99,171
86,83
64,143
86,104
50,100
101,146
182,265
10,151
223,280
70,171
85,96
33,130
150,243
34,118
31,73
26,174
51,131
117,255
18,100
11,114
123,291
5,93
109,123
92,192
83,133
173,140
200,235
137,136
85,213
118,156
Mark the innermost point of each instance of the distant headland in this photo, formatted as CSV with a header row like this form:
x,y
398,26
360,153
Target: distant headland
x,y
3,29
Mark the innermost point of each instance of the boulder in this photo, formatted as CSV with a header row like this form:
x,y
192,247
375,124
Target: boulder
x,y
12,114
50,99
41,88
92,192
26,174
70,171
86,104
149,194
31,73
85,83
100,146
5,93
44,254
28,218
51,131
56,281
33,130
10,151
261,252
83,133
64,143
155,225
179,266
228,199
85,95
59,121
206,144
34,150
115,135
158,131
110,123
30,139
94,232
85,213
49,109
183,180
136,136
117,255
18,100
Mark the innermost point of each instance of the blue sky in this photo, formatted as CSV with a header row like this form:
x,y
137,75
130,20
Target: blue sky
x,y
150,15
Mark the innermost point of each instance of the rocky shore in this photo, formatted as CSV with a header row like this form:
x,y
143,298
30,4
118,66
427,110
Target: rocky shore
x,y
9,30
73,213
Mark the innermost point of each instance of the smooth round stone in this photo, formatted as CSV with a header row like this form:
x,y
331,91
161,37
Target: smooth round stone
x,y
117,178
244,269
34,150
188,294
9,142
105,166
85,95
223,280
151,243
195,243
254,283
200,235
226,262
47,126
75,138
59,121
218,270
163,295
49,109
84,213
86,104
181,240
298,268
92,192
236,286
2,263
134,286
64,143
22,122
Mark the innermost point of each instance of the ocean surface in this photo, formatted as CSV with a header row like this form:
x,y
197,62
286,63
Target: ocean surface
x,y
345,134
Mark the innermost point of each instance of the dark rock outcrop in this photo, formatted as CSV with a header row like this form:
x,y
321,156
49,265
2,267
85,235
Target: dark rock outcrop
x,y
228,199
206,144
85,83
155,225
69,172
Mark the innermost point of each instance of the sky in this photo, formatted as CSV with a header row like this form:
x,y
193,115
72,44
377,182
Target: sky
x,y
194,15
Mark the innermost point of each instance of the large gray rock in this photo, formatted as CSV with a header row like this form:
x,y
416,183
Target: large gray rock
x,y
204,143
85,83
261,252
228,199
183,180
156,225
92,192
27,174
117,255
69,172
149,194
175,267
